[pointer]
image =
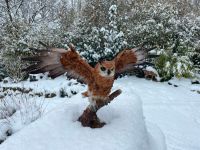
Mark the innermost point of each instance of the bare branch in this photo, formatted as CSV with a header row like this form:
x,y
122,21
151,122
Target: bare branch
x,y
19,6
8,10
36,13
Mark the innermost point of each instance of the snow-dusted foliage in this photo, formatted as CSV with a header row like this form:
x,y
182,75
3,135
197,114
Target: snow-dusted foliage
x,y
16,40
196,60
100,29
17,112
23,24
103,42
176,37
2,73
169,66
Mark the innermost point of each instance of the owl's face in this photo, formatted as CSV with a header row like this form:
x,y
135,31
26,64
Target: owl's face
x,y
106,68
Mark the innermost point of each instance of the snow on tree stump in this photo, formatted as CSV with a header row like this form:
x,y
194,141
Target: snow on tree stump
x,y
89,117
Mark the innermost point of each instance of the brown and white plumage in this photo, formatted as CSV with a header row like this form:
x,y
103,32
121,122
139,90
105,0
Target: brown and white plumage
x,y
99,79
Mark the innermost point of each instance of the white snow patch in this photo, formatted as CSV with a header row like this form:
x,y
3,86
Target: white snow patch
x,y
125,128
173,110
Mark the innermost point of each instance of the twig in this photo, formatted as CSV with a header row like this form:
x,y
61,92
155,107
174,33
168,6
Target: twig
x,y
19,6
8,10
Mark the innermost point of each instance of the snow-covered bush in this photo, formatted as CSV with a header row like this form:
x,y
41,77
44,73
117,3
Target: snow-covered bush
x,y
17,112
16,40
175,36
154,24
2,73
11,50
13,65
170,66
99,29
104,42
159,24
196,60
23,24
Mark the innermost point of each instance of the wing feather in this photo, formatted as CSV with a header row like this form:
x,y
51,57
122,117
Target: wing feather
x,y
58,61
56,72
128,58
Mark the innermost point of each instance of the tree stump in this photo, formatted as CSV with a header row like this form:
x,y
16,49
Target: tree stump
x,y
89,117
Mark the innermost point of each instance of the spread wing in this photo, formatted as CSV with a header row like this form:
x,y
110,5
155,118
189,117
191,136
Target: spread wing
x,y
58,61
128,58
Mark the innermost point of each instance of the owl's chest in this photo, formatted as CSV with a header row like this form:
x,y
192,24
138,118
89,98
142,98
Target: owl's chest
x,y
101,86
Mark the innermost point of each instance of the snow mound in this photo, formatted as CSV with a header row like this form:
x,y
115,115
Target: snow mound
x,y
125,129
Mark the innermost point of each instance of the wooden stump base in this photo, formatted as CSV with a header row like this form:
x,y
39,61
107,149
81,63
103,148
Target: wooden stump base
x,y
89,117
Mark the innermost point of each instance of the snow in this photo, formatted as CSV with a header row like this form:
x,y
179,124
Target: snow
x,y
48,85
16,112
185,83
125,128
175,110
146,116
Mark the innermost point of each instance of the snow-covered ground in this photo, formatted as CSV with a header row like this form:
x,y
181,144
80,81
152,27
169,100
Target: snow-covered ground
x,y
174,111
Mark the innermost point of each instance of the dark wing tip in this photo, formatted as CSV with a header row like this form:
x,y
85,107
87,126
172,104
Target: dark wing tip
x,y
149,49
145,49
32,58
33,49
43,44
147,63
153,56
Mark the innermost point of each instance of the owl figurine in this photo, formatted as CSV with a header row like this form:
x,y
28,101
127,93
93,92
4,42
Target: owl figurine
x,y
99,79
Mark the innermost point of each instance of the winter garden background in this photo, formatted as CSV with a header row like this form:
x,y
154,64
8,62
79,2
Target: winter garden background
x,y
100,29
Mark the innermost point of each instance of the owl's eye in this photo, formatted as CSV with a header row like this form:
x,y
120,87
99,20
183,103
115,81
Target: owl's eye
x,y
112,69
103,68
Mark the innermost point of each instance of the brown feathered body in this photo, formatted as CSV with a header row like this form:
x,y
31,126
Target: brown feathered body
x,y
99,85
99,79
102,84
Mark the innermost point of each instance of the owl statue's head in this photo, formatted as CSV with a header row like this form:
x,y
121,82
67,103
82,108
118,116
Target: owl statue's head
x,y
106,68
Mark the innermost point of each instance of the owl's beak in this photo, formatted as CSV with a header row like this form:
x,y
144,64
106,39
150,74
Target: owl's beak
x,y
108,72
